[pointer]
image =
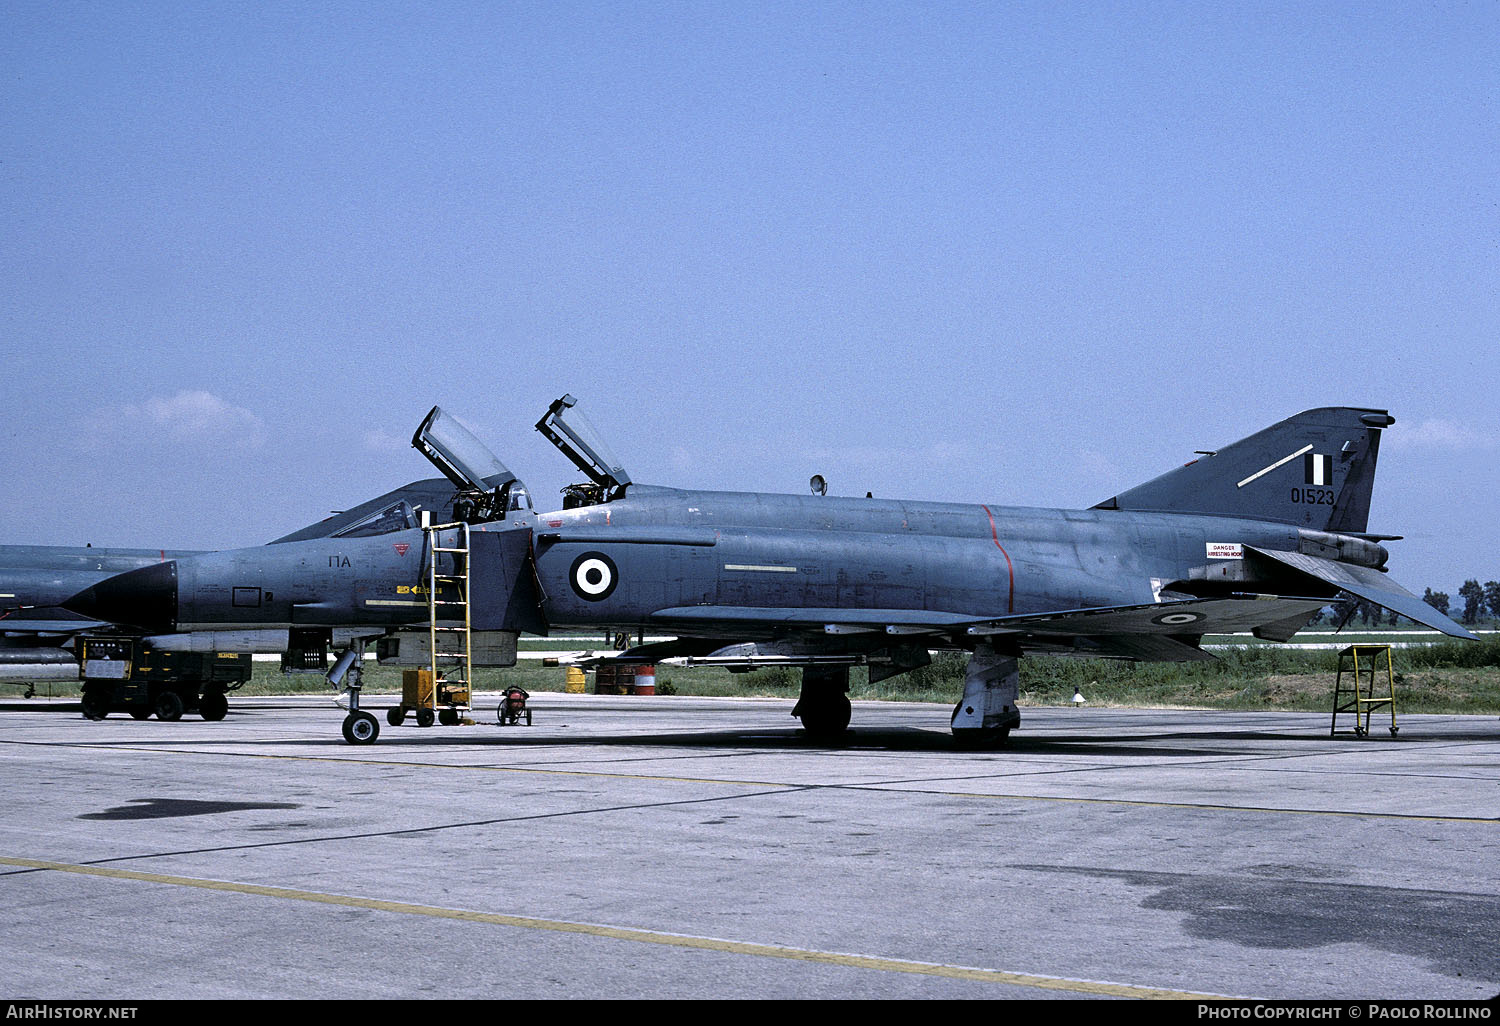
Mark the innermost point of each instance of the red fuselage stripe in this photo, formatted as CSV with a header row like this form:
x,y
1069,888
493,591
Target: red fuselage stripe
x,y
1009,567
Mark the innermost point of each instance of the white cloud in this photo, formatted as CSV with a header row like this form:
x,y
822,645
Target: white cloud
x,y
195,415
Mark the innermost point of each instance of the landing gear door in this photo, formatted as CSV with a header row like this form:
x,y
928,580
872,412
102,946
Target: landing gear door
x,y
466,462
572,433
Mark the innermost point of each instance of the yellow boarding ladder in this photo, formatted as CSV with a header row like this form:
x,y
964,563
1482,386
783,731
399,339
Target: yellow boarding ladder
x,y
448,618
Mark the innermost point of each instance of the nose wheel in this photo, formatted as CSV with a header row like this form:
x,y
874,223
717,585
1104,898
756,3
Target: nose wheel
x,y
360,728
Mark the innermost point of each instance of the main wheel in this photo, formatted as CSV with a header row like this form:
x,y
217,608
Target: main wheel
x,y
361,728
169,706
213,706
828,716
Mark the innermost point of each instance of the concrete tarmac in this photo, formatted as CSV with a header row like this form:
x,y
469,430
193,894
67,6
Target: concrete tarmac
x,y
631,847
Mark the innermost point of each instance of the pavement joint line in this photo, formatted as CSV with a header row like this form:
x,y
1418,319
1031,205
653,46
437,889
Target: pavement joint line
x,y
1205,806
409,831
850,961
396,764
888,787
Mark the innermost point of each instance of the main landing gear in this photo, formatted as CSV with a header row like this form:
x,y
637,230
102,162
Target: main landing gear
x,y
986,714
984,717
824,705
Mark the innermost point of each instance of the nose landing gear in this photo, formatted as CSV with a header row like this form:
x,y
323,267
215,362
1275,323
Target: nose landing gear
x,y
360,728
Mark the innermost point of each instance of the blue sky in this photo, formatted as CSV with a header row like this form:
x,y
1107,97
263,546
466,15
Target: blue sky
x,y
1015,253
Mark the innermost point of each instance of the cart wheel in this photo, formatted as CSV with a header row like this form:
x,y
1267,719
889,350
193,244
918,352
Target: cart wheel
x,y
361,728
140,714
448,717
169,707
213,706
1393,731
395,715
95,703
528,717
425,717
1359,731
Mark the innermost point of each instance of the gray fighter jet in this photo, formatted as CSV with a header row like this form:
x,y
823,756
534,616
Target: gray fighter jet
x,y
1257,536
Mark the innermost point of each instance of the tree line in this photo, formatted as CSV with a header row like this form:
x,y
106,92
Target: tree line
x,y
1480,600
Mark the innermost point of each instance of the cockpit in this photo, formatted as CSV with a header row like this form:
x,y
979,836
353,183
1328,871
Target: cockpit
x,y
575,437
398,516
487,490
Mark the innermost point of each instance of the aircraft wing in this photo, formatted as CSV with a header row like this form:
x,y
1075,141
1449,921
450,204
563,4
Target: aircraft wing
x,y
1225,615
1156,630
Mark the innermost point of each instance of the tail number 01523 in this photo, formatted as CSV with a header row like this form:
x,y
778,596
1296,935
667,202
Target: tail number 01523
x,y
1314,496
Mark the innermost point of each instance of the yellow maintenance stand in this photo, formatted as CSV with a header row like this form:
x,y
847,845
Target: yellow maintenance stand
x,y
1364,663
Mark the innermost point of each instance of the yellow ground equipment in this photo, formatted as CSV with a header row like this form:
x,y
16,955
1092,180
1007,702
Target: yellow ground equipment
x,y
441,701
1363,664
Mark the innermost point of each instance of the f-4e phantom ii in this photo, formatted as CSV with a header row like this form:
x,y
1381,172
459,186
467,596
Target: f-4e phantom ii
x,y
1256,536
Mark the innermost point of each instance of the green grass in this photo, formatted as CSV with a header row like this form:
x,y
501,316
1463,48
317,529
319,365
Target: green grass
x,y
1453,677
1450,677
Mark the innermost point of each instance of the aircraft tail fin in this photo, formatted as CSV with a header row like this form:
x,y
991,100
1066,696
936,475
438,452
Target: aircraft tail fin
x,y
1314,470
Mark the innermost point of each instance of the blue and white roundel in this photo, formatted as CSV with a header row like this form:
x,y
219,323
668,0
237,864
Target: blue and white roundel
x,y
593,576
1179,619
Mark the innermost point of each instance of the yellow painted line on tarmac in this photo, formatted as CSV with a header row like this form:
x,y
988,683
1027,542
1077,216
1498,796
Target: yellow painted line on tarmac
x,y
848,961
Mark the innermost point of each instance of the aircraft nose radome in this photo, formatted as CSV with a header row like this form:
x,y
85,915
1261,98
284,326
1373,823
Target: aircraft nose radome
x,y
144,598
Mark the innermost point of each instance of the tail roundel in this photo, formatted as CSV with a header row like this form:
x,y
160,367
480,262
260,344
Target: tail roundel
x,y
1315,470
